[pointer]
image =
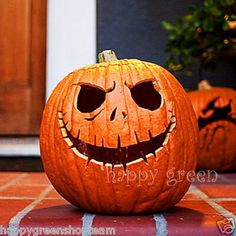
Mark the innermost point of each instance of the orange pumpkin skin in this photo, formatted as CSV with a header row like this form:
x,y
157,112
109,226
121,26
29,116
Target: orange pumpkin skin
x,y
215,108
144,186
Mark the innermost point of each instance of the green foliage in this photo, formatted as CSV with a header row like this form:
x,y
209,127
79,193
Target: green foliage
x,y
199,35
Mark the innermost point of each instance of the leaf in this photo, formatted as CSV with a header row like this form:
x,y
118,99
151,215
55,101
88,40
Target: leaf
x,y
232,17
208,25
200,34
188,18
225,26
167,25
209,3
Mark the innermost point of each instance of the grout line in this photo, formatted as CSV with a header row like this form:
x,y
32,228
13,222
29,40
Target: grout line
x,y
87,224
213,199
15,221
220,209
161,225
34,185
12,182
224,199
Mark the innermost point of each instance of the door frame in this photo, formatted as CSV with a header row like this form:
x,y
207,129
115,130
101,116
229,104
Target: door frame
x,y
38,59
71,38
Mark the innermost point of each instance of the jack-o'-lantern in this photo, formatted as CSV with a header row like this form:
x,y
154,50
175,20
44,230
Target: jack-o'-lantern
x,y
111,134
215,108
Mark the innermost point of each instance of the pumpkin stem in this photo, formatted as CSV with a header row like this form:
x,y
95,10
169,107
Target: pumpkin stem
x,y
106,56
204,85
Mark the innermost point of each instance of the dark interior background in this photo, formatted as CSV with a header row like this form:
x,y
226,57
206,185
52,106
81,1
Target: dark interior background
x,y
133,29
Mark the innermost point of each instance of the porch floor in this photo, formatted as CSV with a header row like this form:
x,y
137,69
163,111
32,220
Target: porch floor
x,y
29,202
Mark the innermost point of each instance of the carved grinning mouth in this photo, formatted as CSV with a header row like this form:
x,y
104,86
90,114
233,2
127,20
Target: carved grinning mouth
x,y
218,114
120,155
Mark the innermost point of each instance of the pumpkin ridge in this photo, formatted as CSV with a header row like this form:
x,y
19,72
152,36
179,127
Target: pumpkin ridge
x,y
186,160
85,195
91,124
149,114
147,65
113,188
135,108
167,167
125,102
54,129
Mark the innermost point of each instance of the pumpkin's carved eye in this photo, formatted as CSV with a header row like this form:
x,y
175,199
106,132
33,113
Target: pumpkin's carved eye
x,y
146,96
90,98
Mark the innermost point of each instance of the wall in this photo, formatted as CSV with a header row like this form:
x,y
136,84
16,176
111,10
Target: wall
x,y
71,38
133,29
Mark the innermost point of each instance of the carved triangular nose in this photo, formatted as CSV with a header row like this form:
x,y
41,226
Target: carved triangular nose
x,y
114,113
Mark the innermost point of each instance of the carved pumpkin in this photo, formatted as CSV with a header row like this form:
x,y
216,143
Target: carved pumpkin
x,y
215,108
113,135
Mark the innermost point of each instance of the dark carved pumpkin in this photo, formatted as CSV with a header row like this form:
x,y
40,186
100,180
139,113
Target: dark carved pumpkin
x,y
113,134
215,108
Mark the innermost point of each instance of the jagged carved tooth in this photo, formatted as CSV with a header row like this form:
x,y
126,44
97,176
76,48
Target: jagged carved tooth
x,y
154,154
68,141
74,149
78,153
124,165
149,155
95,162
135,161
172,126
143,156
61,123
114,165
173,119
145,159
64,132
78,134
136,136
60,115
103,167
150,134
87,162
166,140
68,126
108,165
118,142
158,150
